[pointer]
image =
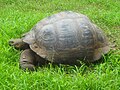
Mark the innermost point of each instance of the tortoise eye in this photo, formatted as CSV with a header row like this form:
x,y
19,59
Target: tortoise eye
x,y
17,45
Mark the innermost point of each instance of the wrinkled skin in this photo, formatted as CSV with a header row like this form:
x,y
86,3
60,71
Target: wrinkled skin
x,y
28,59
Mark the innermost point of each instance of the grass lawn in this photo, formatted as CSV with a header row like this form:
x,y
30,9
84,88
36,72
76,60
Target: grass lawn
x,y
19,16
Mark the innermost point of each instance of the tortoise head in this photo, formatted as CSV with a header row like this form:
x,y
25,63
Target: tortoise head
x,y
18,44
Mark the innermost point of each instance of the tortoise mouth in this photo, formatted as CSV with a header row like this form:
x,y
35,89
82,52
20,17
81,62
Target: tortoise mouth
x,y
11,42
18,44
100,51
15,42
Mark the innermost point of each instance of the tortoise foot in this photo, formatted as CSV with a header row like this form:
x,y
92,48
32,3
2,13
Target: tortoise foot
x,y
29,67
27,60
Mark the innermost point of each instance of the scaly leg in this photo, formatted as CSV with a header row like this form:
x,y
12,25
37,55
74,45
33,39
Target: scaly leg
x,y
28,60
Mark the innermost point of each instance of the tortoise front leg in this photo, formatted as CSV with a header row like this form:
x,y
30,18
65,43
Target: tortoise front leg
x,y
28,60
18,44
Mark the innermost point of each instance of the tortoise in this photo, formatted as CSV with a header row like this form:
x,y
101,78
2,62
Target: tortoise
x,y
64,38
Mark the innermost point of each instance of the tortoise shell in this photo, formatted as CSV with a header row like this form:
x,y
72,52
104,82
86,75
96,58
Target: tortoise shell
x,y
67,37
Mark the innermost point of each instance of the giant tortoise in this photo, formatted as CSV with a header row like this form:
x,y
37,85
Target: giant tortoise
x,y
63,38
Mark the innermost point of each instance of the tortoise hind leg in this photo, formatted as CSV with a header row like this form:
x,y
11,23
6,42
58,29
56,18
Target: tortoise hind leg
x,y
28,60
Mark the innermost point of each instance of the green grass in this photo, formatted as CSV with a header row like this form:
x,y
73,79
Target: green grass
x,y
19,16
